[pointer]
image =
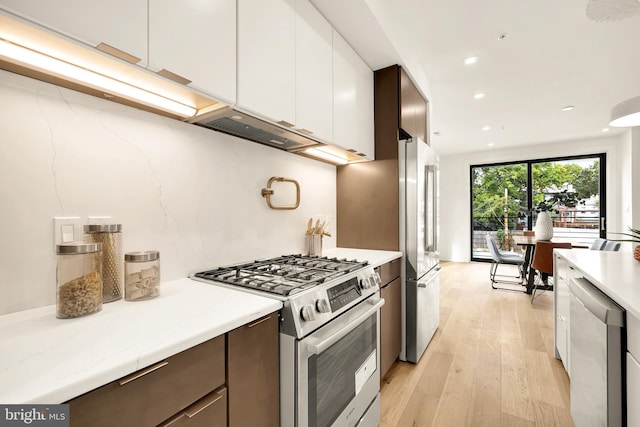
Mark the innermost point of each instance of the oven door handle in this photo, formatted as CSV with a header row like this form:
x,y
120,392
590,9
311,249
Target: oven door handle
x,y
318,345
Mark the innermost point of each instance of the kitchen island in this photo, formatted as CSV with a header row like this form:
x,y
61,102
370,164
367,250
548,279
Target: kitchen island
x,y
616,275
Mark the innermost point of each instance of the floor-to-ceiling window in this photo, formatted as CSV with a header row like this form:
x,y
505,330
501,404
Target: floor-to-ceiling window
x,y
506,198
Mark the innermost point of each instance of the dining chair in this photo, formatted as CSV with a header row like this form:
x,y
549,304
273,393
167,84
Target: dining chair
x,y
598,244
610,245
507,258
543,261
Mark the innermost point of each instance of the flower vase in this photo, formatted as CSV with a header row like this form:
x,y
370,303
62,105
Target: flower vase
x,y
544,226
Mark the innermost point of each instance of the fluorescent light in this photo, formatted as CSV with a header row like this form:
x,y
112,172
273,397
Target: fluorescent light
x,y
471,60
479,95
568,108
626,114
330,157
50,65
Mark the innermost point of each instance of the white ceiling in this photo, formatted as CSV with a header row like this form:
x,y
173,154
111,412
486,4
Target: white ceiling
x,y
552,57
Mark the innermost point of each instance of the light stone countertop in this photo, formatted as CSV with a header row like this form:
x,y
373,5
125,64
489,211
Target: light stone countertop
x,y
48,360
616,274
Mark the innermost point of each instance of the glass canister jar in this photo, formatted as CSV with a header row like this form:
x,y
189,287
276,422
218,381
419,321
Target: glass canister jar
x,y
110,235
142,275
79,279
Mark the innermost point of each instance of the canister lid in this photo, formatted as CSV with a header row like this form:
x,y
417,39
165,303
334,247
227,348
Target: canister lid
x,y
142,256
78,248
103,228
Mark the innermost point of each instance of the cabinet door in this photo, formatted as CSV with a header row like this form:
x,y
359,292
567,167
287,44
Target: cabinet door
x,y
390,326
352,99
121,24
314,72
253,374
413,108
197,41
562,275
266,58
633,391
366,138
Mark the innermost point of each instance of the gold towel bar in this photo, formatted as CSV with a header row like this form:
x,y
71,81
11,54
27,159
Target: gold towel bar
x,y
268,192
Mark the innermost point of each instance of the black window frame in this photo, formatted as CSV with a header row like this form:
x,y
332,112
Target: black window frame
x,y
602,157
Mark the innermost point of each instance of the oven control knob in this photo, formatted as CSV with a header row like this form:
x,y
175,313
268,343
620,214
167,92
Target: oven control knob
x,y
308,313
322,305
365,283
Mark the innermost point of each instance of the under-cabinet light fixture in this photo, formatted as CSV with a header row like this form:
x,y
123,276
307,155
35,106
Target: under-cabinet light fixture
x,y
48,64
626,114
330,157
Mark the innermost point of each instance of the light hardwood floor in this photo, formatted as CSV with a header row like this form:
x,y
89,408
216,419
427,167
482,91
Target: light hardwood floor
x,y
491,362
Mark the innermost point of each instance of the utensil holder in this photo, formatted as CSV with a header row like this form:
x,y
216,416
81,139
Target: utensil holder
x,y
313,244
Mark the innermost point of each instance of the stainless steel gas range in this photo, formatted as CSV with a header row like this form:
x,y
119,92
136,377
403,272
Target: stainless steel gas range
x,y
329,335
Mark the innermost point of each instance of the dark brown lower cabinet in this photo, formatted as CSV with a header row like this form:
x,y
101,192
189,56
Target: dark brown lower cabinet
x,y
390,315
151,395
231,380
253,374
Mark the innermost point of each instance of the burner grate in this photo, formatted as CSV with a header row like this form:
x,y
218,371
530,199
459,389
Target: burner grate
x,y
284,275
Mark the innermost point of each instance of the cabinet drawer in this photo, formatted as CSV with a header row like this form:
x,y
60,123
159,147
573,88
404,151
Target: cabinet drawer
x,y
389,271
155,393
210,411
633,335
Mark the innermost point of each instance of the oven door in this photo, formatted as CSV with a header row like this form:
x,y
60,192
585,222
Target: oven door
x,y
338,370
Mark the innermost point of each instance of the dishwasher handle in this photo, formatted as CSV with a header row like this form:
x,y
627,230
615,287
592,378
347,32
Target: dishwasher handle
x,y
596,302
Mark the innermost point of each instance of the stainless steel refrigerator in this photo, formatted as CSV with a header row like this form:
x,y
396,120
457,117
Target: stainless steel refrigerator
x,y
418,178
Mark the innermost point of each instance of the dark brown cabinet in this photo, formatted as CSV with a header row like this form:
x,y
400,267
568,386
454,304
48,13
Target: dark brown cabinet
x,y
413,108
367,193
231,380
153,394
253,374
390,315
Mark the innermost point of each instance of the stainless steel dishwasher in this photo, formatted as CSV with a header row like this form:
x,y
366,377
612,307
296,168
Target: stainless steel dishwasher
x,y
595,353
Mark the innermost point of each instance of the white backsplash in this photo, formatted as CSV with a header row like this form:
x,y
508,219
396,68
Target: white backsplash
x,y
189,192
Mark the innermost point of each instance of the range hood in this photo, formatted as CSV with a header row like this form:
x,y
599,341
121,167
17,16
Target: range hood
x,y
238,123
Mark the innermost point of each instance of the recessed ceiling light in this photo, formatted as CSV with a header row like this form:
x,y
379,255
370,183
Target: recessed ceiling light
x,y
503,36
568,108
490,144
478,95
605,129
471,60
486,128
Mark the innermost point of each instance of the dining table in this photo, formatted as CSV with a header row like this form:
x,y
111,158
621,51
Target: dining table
x,y
529,244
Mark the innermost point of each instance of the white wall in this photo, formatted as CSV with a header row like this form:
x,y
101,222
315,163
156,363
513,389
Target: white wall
x,y
455,186
191,193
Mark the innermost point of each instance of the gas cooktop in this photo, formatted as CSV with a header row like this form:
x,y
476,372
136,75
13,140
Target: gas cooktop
x,y
285,275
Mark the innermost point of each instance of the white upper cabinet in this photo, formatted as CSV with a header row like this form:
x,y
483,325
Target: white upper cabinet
x,y
121,24
352,100
266,58
314,72
196,40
